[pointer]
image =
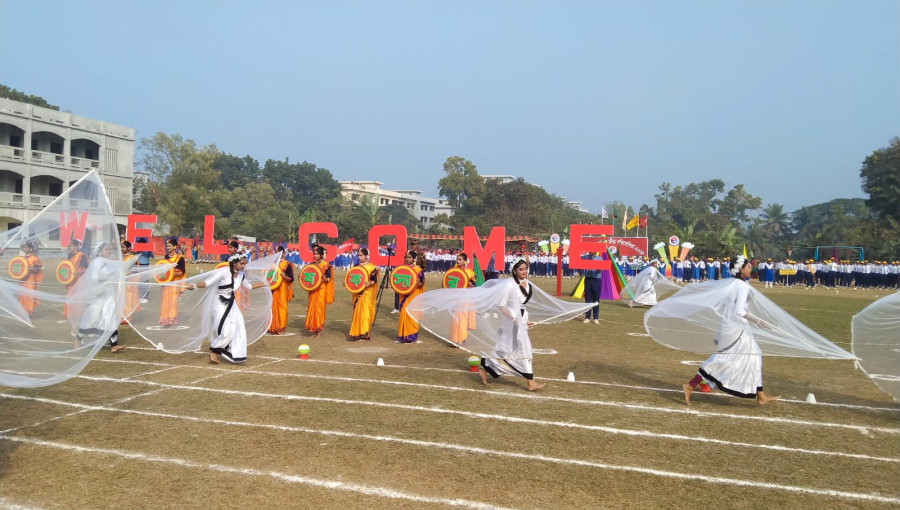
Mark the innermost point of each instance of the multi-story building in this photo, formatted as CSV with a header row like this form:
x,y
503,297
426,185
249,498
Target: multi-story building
x,y
43,152
422,208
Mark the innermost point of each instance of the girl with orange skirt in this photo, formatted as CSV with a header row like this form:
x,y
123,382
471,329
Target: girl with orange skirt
x,y
80,261
462,322
132,297
408,329
364,302
281,295
168,310
34,277
321,297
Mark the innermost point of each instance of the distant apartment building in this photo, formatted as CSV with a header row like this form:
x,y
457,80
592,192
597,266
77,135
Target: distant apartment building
x,y
43,152
422,208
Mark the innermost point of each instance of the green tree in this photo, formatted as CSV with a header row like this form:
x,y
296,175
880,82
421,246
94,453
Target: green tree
x,y
235,172
880,175
15,95
461,186
182,186
775,221
302,184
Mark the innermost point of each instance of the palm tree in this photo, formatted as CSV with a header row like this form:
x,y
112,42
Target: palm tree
x,y
775,221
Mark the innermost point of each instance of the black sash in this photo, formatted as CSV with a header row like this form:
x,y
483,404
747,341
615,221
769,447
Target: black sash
x,y
230,301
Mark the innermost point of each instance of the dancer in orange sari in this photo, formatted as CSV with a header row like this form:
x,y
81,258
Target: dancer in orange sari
x,y
319,298
364,302
168,309
80,261
281,295
132,297
35,275
462,322
407,328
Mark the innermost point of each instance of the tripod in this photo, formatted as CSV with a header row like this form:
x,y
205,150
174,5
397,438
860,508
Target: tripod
x,y
384,283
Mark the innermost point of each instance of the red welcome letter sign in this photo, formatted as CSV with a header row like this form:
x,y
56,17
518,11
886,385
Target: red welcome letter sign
x,y
134,232
210,247
376,233
308,229
578,246
72,227
494,246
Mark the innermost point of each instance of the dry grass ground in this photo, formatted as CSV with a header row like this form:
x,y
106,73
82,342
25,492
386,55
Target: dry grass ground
x,y
143,429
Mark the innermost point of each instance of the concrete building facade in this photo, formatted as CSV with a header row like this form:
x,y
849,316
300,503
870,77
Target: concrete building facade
x,y
422,208
43,152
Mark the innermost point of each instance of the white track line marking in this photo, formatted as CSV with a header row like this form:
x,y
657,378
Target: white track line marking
x,y
610,430
317,482
805,423
393,494
457,371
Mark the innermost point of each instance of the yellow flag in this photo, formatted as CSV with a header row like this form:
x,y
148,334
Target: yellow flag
x,y
745,252
633,222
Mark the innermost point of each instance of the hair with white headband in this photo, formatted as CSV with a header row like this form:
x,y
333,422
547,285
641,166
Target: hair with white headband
x,y
236,257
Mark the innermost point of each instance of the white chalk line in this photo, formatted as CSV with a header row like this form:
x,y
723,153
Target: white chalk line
x,y
594,383
598,428
316,482
393,494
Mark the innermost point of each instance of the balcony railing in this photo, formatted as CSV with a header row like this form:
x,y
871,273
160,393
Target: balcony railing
x,y
8,198
84,163
10,152
41,200
47,158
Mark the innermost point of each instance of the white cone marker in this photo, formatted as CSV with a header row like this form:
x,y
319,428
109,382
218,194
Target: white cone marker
x,y
810,399
379,363
571,377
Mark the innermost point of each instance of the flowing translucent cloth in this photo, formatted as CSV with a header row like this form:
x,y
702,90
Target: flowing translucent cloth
x,y
876,342
434,310
196,309
704,318
648,286
40,350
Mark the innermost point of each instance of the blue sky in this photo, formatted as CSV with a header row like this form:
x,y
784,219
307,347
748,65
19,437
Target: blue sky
x,y
594,100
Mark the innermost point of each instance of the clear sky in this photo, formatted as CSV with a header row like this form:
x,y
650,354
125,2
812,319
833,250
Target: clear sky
x,y
594,100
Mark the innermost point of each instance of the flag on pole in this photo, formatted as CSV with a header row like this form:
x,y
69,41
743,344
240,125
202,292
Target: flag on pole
x,y
625,218
604,214
346,246
479,274
745,252
633,222
643,223
578,291
615,214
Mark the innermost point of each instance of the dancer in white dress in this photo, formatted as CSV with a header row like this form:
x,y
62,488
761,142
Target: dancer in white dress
x,y
227,333
648,286
736,367
100,297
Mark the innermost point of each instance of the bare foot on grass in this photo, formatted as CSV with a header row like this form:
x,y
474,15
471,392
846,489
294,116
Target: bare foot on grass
x,y
214,358
533,386
483,375
763,399
687,393
116,348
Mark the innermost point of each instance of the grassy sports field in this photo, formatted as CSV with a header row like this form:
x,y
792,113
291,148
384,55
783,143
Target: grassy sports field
x,y
145,429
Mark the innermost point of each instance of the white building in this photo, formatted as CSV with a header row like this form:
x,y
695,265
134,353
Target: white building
x,y
422,208
43,152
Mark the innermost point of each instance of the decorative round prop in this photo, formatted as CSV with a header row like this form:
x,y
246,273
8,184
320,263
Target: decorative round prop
x,y
65,272
613,250
554,238
220,265
355,279
455,278
674,241
166,277
18,268
474,363
404,279
311,277
273,277
303,351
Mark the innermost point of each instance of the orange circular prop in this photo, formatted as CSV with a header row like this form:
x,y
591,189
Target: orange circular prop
x,y
65,272
404,279
220,265
455,278
18,268
166,277
311,277
273,277
355,279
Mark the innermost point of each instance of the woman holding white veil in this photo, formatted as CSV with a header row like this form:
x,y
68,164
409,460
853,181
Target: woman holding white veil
x,y
224,325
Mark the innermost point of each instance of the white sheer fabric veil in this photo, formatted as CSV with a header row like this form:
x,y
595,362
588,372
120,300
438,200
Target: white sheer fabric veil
x,y
696,315
876,341
649,276
196,309
434,310
37,346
